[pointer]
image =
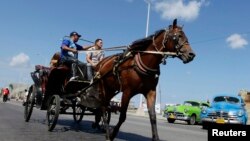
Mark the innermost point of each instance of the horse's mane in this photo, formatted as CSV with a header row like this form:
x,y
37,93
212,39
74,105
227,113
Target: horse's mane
x,y
141,44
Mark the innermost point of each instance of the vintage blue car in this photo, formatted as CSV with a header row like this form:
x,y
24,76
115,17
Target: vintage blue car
x,y
225,109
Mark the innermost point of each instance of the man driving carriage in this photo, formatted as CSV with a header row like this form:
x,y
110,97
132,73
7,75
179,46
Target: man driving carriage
x,y
69,53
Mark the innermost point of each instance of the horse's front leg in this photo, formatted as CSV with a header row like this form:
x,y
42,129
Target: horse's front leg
x,y
151,96
123,111
105,121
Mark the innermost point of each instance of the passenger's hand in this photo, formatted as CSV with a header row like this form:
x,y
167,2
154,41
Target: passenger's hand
x,y
93,66
74,51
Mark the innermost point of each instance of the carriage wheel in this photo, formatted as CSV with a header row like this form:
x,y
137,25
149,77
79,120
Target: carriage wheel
x,y
78,113
53,111
30,101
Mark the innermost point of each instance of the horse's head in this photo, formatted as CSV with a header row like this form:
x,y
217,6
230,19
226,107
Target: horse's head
x,y
176,41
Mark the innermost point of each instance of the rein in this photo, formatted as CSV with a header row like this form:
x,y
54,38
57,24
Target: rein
x,y
139,66
148,52
159,53
143,69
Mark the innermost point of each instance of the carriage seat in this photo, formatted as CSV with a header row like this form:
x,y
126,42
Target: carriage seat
x,y
43,68
54,62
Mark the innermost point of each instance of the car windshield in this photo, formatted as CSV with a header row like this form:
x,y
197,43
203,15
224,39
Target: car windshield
x,y
191,103
226,99
204,105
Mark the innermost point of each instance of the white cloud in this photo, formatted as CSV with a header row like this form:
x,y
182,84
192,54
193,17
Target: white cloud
x,y
20,60
236,41
188,11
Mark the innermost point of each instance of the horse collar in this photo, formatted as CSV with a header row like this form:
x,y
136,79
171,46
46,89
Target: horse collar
x,y
143,69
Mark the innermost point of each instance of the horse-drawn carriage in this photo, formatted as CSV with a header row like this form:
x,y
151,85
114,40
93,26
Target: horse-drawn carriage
x,y
134,71
53,92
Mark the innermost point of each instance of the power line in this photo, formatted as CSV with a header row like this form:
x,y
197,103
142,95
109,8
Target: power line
x,y
217,38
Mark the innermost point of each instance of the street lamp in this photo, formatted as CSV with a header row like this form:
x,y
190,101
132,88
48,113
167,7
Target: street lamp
x,y
140,110
149,6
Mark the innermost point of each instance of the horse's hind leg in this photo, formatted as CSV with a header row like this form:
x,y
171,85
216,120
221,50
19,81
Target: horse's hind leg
x,y
123,110
151,96
98,116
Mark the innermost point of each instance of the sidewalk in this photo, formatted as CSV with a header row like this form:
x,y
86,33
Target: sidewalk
x,y
133,113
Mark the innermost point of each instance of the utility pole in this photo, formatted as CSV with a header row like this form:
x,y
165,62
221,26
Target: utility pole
x,y
149,6
140,110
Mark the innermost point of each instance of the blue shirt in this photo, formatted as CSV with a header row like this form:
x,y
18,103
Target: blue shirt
x,y
71,44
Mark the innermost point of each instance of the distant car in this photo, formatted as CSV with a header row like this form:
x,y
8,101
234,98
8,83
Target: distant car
x,y
225,109
189,111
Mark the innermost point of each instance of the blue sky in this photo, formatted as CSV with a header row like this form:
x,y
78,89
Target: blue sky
x,y
218,30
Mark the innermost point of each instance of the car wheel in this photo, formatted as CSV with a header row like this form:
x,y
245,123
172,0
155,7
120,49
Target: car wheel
x,y
171,120
192,120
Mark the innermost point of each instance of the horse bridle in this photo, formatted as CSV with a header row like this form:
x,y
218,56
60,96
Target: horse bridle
x,y
177,43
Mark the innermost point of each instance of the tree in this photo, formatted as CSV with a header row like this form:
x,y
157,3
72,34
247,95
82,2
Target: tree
x,y
11,86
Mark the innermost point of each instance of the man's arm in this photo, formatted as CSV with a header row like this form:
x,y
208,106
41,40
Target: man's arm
x,y
64,47
88,58
83,47
87,47
102,56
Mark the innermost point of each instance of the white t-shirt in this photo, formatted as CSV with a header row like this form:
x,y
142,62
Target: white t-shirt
x,y
95,56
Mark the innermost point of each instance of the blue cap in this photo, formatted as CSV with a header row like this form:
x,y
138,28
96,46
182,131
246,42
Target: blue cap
x,y
74,33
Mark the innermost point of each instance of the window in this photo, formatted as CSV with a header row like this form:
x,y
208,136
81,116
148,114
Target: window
x,y
191,103
226,99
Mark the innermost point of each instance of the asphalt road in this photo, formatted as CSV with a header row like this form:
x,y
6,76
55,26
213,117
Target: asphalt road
x,y
14,128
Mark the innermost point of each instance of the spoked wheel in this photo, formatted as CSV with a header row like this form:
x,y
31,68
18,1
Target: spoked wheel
x,y
78,113
53,111
30,101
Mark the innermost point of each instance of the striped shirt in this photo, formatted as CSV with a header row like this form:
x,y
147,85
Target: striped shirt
x,y
95,56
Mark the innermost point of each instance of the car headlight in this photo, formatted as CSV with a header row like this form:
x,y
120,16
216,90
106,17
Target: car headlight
x,y
240,113
232,113
186,110
203,111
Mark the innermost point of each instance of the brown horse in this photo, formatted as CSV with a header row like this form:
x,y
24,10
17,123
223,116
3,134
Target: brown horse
x,y
137,71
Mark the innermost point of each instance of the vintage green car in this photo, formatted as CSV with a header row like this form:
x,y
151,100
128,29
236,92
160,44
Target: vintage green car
x,y
188,111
